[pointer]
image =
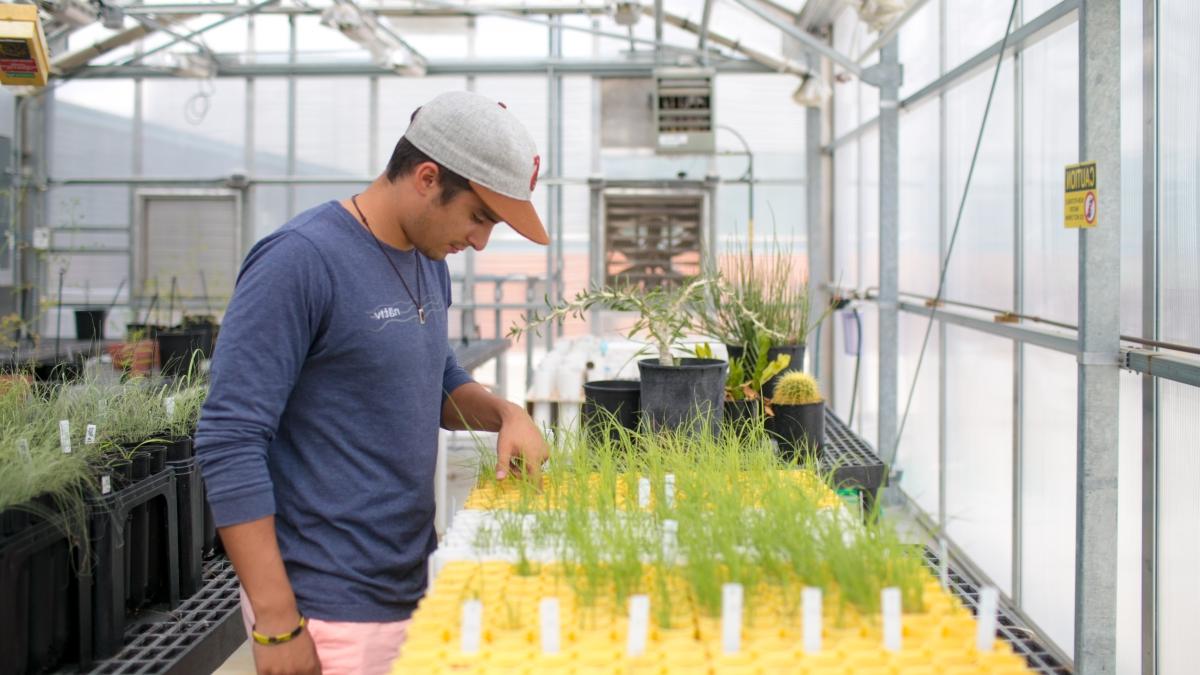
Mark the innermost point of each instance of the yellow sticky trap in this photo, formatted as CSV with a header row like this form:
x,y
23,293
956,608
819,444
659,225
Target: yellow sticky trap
x,y
23,57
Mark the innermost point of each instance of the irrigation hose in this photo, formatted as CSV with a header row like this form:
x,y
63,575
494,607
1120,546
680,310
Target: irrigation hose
x,y
953,235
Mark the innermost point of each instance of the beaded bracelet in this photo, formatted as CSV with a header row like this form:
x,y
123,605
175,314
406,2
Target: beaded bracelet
x,y
281,638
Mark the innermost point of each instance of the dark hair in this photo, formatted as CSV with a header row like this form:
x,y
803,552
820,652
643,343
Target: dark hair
x,y
406,157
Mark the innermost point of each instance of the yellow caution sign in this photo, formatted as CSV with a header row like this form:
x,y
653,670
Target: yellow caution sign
x,y
1082,206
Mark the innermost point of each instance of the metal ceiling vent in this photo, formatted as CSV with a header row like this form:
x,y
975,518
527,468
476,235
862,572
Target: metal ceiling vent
x,y
683,110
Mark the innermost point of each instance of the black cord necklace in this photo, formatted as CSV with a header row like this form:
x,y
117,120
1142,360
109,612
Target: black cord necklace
x,y
416,299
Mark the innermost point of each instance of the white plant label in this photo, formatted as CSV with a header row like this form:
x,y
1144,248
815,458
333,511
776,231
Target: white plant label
x,y
669,490
64,436
89,435
812,610
643,493
891,619
169,404
105,484
670,528
23,449
985,628
639,624
731,618
472,626
551,634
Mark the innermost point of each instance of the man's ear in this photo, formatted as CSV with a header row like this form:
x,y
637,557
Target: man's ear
x,y
426,179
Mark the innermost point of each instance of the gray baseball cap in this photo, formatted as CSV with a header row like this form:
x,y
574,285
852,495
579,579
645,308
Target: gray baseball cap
x,y
480,140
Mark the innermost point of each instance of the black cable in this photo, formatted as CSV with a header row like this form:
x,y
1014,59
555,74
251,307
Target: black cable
x,y
857,364
954,235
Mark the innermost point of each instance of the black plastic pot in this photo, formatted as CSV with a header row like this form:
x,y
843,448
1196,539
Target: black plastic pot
x,y
144,331
692,392
603,400
155,527
743,413
736,352
89,323
139,538
799,428
179,450
178,347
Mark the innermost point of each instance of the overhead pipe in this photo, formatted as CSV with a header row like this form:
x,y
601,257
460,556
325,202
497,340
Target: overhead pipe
x,y
775,63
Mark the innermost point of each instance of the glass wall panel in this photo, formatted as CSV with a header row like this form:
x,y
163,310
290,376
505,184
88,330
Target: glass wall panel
x,y
979,429
1048,404
270,125
331,129
91,129
868,207
981,266
919,48
920,213
193,128
918,456
973,26
1129,527
1132,197
1179,528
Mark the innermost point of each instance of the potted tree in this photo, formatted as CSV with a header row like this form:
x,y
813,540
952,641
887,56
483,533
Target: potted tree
x,y
798,419
674,391
764,295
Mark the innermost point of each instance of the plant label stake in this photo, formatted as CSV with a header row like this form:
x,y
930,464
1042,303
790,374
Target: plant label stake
x,y
551,635
639,624
23,449
643,493
472,626
64,436
670,528
812,620
89,435
105,484
669,490
169,404
731,618
944,563
985,628
891,619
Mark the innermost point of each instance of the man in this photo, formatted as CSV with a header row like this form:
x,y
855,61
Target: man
x,y
332,374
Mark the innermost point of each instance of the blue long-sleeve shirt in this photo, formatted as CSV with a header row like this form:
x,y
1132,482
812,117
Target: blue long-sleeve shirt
x,y
323,410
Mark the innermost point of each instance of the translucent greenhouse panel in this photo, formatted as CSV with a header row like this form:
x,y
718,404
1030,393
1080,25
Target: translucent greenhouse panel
x,y
761,109
270,125
778,216
193,128
846,252
91,129
918,455
399,98
981,268
1048,461
868,208
1132,129
331,136
866,421
919,47
269,203
271,36
87,206
979,443
975,26
846,39
1179,528
1129,527
920,215
578,119
855,399
1179,171
434,37
497,37
1032,9
1051,141
317,42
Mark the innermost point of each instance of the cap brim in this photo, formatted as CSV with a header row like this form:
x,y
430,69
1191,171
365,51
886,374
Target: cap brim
x,y
519,214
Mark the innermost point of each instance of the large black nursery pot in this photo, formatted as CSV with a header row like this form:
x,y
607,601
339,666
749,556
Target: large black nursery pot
x,y
744,412
690,392
89,323
736,352
799,428
178,346
605,400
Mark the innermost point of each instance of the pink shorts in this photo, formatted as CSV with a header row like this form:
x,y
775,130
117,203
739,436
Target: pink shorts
x,y
349,647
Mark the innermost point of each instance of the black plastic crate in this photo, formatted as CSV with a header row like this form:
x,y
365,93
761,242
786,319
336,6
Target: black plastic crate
x,y
189,495
1025,641
854,463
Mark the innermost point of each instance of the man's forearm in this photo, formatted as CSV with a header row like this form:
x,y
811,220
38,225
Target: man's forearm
x,y
472,406
254,551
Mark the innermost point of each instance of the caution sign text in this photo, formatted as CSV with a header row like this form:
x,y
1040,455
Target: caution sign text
x,y
1082,206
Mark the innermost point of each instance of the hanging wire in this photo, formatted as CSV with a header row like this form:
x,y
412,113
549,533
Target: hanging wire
x,y
954,234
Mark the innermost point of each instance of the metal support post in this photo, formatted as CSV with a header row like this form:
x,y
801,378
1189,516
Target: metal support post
x,y
889,248
1150,330
290,199
554,191
1099,333
818,244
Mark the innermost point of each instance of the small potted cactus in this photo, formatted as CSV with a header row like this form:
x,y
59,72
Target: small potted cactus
x,y
799,414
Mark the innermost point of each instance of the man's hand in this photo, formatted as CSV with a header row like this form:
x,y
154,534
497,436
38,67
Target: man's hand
x,y
520,445
297,656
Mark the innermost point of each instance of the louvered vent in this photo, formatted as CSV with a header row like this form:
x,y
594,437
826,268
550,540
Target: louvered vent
x,y
652,239
683,110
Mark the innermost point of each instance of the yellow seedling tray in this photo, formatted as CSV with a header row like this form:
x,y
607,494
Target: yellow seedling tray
x,y
940,639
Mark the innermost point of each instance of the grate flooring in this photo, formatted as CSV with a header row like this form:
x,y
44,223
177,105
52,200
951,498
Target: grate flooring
x,y
158,643
853,462
1024,640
